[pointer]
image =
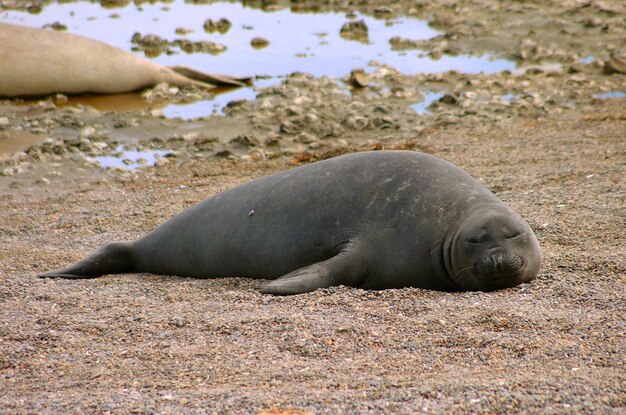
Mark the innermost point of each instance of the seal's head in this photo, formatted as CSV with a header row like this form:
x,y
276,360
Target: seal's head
x,y
493,249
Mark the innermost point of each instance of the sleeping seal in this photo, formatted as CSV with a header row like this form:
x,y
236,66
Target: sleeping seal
x,y
374,220
39,62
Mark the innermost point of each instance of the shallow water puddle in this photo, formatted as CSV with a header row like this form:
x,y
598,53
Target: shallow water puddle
x,y
509,97
587,59
217,103
134,102
131,159
306,42
429,98
14,141
127,102
610,94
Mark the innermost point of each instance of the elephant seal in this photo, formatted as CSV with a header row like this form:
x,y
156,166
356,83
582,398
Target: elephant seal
x,y
40,62
374,220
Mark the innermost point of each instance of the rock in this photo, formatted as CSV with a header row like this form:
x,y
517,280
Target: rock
x,y
593,22
294,110
355,30
527,49
575,68
449,99
302,100
400,43
222,25
59,27
148,40
357,123
358,78
307,138
87,132
616,64
162,162
383,108
203,46
245,140
259,43
311,118
287,127
183,31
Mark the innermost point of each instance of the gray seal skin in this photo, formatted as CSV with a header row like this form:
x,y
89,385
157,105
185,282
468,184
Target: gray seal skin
x,y
373,220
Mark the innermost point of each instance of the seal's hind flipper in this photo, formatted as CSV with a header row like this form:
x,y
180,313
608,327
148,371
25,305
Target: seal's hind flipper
x,y
210,78
113,258
346,268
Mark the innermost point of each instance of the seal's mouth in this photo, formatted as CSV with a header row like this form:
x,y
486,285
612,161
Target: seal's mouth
x,y
497,265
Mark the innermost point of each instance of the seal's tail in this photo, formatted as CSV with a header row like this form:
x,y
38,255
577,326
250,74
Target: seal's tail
x,y
113,258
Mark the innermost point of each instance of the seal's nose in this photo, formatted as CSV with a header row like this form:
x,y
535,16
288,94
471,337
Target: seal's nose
x,y
497,259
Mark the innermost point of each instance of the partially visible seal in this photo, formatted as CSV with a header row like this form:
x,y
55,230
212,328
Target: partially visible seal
x,y
39,62
373,220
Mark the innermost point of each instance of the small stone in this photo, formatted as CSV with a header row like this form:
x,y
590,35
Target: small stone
x,y
259,43
294,110
450,99
287,127
9,171
356,122
311,118
307,138
359,79
593,22
355,30
87,132
245,140
60,99
183,31
302,100
222,25
59,27
616,64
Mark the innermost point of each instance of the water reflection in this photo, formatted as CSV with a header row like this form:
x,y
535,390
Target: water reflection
x,y
429,98
610,94
304,42
131,159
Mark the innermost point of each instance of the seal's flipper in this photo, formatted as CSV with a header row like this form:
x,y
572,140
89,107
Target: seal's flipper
x,y
210,78
346,268
113,258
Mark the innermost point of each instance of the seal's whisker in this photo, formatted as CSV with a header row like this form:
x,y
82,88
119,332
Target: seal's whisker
x,y
464,269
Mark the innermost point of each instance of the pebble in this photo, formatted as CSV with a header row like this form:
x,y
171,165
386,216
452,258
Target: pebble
x,y
616,64
87,132
354,30
222,25
259,43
